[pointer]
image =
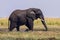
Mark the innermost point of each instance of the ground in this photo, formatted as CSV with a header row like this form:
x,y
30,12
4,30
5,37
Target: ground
x,y
38,33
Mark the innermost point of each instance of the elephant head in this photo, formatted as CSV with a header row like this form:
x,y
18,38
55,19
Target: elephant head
x,y
38,14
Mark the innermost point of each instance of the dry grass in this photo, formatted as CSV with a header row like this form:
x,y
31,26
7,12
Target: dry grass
x,y
53,32
49,21
53,21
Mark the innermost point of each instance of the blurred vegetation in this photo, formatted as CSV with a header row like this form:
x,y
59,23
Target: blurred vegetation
x,y
49,21
3,21
53,32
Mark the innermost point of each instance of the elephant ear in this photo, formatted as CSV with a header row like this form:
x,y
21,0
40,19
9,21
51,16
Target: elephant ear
x,y
31,14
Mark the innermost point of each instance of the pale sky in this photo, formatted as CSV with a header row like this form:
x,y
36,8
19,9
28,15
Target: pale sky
x,y
50,8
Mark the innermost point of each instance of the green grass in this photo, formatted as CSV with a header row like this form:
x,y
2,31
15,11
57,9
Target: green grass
x,y
53,32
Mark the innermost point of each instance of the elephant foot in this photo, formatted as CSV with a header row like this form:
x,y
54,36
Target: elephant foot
x,y
28,30
18,30
10,29
45,30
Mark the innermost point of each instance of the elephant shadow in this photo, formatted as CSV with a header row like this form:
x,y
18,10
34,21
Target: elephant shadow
x,y
6,30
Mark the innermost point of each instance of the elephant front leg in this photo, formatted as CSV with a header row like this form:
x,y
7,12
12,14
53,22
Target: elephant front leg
x,y
29,25
17,28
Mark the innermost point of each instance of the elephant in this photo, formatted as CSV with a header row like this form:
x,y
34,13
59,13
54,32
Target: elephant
x,y
25,17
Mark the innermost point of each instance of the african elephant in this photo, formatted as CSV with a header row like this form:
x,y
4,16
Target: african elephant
x,y
25,17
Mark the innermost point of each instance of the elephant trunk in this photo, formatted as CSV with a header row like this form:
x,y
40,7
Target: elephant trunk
x,y
43,22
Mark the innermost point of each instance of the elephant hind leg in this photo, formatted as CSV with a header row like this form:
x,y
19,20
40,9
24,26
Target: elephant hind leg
x,y
10,29
12,25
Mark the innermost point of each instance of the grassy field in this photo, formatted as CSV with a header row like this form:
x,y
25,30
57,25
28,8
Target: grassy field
x,y
53,32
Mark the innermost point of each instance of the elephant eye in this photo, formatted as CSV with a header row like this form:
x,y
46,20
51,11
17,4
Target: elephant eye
x,y
38,11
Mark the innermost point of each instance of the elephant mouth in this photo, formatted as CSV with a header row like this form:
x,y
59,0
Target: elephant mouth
x,y
36,18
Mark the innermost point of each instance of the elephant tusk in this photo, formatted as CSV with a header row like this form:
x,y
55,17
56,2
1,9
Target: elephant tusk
x,y
42,20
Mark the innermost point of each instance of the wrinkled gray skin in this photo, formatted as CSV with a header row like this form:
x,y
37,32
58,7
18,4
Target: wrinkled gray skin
x,y
25,17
